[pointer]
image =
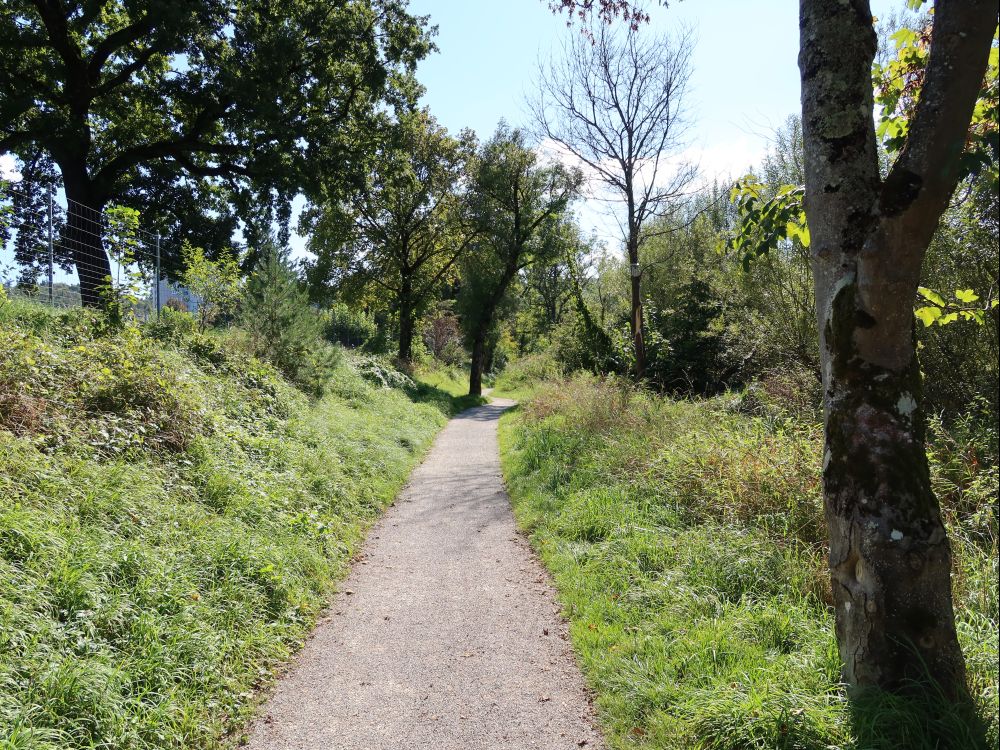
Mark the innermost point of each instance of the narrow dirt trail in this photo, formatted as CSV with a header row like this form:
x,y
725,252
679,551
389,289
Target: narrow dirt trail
x,y
446,635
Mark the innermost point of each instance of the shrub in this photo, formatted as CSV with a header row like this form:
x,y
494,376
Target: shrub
x,y
443,337
173,323
283,328
215,284
529,371
348,327
175,303
379,370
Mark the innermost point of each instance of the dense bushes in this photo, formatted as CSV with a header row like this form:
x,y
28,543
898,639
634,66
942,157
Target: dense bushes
x,y
688,544
347,326
282,326
173,514
64,387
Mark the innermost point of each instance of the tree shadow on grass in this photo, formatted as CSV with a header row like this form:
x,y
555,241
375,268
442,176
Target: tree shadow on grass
x,y
919,718
447,404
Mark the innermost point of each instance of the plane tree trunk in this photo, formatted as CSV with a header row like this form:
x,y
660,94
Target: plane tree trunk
x,y
890,559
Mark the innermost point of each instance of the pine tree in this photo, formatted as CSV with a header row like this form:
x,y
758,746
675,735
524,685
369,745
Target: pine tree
x,y
283,327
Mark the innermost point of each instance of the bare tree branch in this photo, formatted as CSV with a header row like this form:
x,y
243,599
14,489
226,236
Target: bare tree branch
x,y
614,101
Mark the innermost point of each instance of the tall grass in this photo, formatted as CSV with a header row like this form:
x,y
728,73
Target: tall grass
x,y
173,516
687,543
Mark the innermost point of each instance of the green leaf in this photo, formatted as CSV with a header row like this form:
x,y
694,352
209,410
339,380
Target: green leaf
x,y
904,37
973,315
931,296
928,315
804,236
966,295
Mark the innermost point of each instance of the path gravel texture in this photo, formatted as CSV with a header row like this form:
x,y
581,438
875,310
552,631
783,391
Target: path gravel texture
x,y
446,634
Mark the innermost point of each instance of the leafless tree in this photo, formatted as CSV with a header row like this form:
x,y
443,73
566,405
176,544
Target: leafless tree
x,y
614,101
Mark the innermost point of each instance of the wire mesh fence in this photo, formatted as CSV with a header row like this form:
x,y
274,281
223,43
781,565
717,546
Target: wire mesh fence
x,y
64,253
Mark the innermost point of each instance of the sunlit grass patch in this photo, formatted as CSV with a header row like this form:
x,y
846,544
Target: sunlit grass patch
x,y
148,588
687,543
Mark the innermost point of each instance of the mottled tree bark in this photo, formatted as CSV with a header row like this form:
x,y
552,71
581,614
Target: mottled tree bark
x,y
889,555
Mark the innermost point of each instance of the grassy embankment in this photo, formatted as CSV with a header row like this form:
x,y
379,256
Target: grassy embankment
x,y
687,543
173,516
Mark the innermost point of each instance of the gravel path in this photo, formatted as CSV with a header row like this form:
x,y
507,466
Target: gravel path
x,y
446,635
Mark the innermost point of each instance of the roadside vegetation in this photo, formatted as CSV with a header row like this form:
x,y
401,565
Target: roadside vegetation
x,y
751,389
175,513
688,545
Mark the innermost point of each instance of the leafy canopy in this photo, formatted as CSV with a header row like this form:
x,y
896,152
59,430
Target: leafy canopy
x,y
146,101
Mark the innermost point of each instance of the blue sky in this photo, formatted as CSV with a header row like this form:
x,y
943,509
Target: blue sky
x,y
745,79
744,83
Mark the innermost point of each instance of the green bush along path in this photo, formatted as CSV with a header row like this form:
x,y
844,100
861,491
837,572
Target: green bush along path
x,y
173,516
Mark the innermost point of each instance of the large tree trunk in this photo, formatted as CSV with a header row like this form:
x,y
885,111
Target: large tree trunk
x,y
483,325
889,555
478,362
635,319
83,237
406,323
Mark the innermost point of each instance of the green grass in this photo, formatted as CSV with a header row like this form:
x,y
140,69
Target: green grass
x,y
173,516
452,382
687,544
522,377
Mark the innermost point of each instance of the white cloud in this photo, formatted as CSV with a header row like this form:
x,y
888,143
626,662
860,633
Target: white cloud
x,y
726,160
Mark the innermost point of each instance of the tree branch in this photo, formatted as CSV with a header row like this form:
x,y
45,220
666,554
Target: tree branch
x,y
922,180
114,42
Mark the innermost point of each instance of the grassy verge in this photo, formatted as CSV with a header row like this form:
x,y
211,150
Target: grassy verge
x,y
173,516
522,377
450,383
686,540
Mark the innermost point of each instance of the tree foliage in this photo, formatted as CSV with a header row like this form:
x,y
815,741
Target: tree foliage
x,y
283,327
514,203
153,103
215,283
615,102
406,227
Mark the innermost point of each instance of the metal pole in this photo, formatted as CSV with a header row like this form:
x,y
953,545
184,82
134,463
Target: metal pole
x,y
157,277
50,243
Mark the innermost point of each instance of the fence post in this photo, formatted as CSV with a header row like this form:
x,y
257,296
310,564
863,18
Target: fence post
x,y
157,280
50,244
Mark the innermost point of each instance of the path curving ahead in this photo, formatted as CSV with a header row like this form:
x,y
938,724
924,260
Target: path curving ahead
x,y
446,634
